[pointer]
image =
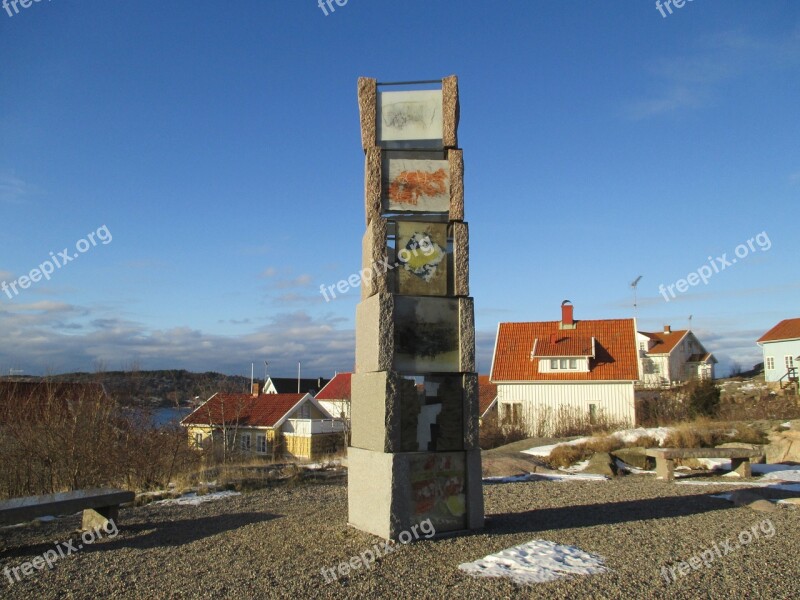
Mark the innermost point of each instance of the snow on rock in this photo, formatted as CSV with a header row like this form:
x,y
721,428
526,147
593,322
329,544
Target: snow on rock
x,y
194,500
546,450
627,436
537,561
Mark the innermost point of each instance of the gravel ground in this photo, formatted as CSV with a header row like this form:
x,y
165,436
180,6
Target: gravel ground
x,y
272,543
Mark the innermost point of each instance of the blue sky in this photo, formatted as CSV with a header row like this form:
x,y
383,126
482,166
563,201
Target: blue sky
x,y
219,145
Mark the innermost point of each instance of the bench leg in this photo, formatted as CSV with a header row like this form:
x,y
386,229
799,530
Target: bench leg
x,y
96,518
742,467
665,469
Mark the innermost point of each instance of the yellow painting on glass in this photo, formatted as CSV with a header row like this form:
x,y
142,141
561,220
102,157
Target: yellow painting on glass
x,y
422,259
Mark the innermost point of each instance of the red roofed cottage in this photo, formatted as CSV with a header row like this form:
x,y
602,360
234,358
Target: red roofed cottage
x,y
551,372
264,425
781,347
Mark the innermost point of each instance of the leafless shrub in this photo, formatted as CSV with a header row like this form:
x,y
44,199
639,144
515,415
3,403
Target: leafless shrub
x,y
495,432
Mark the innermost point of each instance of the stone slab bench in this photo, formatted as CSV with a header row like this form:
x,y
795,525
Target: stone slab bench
x,y
665,459
99,506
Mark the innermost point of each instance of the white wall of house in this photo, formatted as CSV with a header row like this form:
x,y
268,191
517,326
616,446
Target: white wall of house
x,y
337,408
540,403
780,353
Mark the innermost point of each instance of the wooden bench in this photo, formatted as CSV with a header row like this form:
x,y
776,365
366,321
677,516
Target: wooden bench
x,y
665,459
99,506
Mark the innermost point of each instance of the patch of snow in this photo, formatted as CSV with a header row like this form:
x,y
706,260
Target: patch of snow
x,y
576,468
784,487
788,475
195,500
557,477
572,477
537,561
627,436
623,466
546,450
46,519
715,464
762,469
788,424
787,503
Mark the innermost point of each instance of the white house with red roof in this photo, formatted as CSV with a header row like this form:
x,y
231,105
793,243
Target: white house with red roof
x,y
266,425
578,371
335,396
673,357
781,348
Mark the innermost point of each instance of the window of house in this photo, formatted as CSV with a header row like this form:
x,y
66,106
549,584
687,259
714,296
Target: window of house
x,y
559,364
245,442
261,444
512,412
198,439
789,361
643,346
770,362
593,414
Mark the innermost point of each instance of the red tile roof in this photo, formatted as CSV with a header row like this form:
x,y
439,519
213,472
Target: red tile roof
x,y
788,329
615,351
487,392
665,342
337,388
247,410
563,344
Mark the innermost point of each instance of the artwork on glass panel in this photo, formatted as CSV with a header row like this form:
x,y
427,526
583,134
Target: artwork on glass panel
x,y
415,115
422,258
438,490
416,185
438,415
426,334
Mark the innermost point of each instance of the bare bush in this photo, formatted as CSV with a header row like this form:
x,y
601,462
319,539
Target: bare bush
x,y
495,432
58,437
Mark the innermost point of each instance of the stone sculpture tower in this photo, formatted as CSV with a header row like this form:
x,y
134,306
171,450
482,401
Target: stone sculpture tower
x,y
414,452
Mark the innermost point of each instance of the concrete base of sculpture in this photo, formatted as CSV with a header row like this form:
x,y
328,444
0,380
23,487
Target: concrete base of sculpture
x,y
389,494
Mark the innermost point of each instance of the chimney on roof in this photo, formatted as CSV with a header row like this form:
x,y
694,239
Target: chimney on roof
x,y
667,329
567,320
254,389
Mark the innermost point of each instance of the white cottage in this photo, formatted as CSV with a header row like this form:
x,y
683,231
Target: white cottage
x,y
551,371
673,357
781,348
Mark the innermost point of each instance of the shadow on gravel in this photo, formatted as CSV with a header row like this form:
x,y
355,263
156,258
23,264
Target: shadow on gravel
x,y
142,536
589,515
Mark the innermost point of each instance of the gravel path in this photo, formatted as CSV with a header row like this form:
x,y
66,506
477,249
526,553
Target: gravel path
x,y
272,544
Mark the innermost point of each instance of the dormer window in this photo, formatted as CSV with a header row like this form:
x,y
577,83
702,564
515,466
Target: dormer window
x,y
563,364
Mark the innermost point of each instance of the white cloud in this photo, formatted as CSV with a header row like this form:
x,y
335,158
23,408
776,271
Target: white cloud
x,y
13,189
691,79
